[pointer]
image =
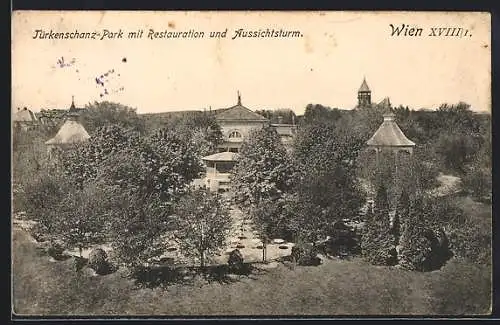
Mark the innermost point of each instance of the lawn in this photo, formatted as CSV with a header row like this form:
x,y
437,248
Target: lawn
x,y
42,287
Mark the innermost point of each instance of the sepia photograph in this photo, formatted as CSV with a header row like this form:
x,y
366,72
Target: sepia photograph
x,y
251,164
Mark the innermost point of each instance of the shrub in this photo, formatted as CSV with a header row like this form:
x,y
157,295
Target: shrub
x,y
79,263
305,254
424,245
41,197
471,242
38,233
415,245
342,240
98,261
56,250
235,261
478,183
202,224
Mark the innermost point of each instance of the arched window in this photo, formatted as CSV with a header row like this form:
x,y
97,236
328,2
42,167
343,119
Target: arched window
x,y
234,134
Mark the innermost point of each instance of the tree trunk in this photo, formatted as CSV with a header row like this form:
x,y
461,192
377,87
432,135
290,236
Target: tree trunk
x,y
80,249
202,261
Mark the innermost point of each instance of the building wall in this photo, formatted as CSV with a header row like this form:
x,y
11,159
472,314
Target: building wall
x,y
243,127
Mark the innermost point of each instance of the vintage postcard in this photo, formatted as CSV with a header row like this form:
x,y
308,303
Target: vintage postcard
x,y
275,164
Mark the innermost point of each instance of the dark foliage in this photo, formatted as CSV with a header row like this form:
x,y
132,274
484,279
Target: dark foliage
x,y
305,254
378,245
98,261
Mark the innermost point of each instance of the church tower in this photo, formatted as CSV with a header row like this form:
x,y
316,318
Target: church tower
x,y
364,95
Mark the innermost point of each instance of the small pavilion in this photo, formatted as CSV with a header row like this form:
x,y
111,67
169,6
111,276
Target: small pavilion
x,y
218,170
70,133
389,137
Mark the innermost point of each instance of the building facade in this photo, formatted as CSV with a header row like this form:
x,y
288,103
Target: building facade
x,y
24,119
236,123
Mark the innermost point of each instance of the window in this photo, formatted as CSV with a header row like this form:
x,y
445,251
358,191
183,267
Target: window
x,y
234,134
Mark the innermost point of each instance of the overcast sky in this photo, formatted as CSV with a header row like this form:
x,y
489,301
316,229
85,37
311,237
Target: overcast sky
x,y
325,66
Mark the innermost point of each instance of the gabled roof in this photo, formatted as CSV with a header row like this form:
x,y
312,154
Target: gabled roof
x,y
386,103
71,132
238,113
364,86
389,135
24,115
222,156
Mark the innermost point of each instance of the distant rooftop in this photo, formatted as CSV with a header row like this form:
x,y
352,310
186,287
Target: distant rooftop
x,y
24,115
222,156
71,132
238,112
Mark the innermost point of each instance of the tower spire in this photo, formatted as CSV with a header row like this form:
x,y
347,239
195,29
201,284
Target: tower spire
x,y
72,102
364,94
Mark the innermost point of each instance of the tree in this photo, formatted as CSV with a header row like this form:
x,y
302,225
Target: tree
x,y
42,196
211,132
80,218
477,180
137,225
306,221
401,216
281,115
83,162
378,242
99,114
317,112
67,214
202,224
326,185
145,180
456,150
261,178
178,164
142,176
201,128
271,220
29,158
263,171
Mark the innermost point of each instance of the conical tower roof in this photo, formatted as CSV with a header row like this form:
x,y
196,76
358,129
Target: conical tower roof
x,y
364,86
389,135
71,132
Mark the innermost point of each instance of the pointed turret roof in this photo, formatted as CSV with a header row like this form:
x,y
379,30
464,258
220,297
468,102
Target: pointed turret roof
x,y
72,107
71,132
389,135
386,103
364,86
